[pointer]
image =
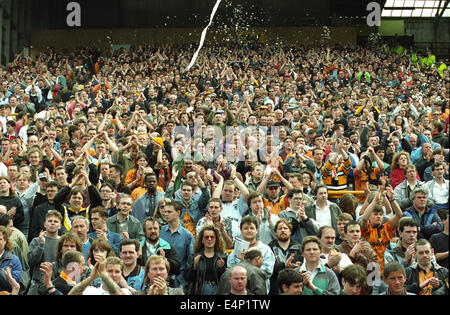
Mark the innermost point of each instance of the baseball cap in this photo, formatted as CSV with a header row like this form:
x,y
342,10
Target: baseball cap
x,y
160,141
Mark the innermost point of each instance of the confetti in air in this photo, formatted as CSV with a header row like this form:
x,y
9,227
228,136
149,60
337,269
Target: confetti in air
x,y
374,39
202,38
325,36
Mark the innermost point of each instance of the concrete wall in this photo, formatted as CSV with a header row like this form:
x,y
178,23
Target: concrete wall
x,y
112,14
14,26
104,38
425,35
392,28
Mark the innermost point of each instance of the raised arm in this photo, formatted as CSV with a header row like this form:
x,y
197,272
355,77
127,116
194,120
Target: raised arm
x,y
112,146
376,158
170,188
89,144
238,182
218,190
79,288
119,123
368,212
262,186
398,213
284,181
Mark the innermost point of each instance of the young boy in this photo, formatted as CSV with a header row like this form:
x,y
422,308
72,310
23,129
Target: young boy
x,y
290,282
353,280
395,277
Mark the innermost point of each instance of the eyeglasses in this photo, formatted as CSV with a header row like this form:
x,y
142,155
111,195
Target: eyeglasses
x,y
68,154
207,237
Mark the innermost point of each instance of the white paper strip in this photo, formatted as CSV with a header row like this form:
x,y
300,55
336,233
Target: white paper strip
x,y
202,38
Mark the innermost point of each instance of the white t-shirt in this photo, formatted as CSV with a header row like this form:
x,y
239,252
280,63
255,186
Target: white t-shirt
x,y
42,114
100,291
323,217
3,169
23,133
440,193
3,123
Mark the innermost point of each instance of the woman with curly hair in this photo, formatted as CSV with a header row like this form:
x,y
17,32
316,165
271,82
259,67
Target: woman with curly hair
x,y
207,263
399,162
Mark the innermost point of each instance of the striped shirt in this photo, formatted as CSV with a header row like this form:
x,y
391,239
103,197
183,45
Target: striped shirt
x,y
335,176
379,239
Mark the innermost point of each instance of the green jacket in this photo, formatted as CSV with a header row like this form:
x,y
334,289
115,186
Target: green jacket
x,y
326,282
428,61
125,161
399,50
228,121
414,58
441,69
366,75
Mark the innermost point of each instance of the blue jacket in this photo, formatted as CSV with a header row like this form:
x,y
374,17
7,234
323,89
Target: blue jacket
x,y
194,208
142,204
11,260
427,228
114,239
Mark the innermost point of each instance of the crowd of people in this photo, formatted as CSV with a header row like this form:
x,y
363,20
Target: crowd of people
x,y
263,170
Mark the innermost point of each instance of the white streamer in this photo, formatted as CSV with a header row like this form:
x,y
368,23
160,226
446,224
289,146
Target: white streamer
x,y
202,39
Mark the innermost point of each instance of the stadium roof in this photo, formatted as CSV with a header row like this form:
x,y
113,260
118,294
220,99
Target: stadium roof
x,y
416,8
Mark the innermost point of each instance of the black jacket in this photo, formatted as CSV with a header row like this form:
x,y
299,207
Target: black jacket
x,y
256,280
14,201
95,200
335,211
37,219
412,283
39,198
195,278
152,157
170,253
442,139
280,261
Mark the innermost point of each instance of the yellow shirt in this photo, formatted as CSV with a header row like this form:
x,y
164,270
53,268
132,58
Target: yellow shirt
x,y
140,191
428,290
277,207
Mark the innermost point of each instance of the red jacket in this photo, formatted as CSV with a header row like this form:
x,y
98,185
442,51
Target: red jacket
x,y
398,176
